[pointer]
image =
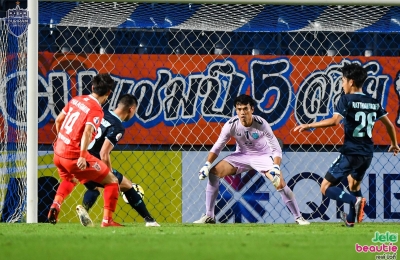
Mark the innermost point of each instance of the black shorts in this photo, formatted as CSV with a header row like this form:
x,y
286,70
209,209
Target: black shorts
x,y
91,185
356,165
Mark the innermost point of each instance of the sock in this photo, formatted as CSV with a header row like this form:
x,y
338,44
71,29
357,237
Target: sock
x,y
64,189
110,199
351,217
211,194
338,194
89,198
137,204
290,201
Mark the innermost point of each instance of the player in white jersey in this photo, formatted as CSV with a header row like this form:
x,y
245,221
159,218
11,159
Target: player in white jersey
x,y
256,148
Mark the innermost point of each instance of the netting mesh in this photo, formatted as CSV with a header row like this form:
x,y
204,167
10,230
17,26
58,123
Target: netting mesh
x,y
12,125
186,63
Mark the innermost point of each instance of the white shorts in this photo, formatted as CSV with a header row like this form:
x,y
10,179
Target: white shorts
x,y
246,162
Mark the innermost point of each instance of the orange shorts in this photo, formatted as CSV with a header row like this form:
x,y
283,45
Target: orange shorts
x,y
96,170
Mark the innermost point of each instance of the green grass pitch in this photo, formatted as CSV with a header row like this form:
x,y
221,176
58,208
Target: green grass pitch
x,y
188,241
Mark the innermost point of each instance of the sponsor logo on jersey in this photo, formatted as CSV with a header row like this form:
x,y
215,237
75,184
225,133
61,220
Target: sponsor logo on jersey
x,y
118,136
255,135
96,120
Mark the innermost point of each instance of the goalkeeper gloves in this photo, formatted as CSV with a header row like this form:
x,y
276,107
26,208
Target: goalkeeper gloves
x,y
204,171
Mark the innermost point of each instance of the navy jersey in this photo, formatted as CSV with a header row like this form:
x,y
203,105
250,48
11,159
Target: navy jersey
x,y
359,112
111,128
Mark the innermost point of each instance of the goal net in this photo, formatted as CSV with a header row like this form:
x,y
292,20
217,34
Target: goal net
x,y
186,63
12,124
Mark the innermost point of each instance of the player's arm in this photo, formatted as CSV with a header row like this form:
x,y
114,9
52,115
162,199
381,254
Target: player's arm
x,y
215,150
85,141
274,173
394,147
333,121
105,152
60,120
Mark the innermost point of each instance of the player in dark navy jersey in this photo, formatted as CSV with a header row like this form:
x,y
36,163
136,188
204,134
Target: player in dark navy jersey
x,y
108,134
359,113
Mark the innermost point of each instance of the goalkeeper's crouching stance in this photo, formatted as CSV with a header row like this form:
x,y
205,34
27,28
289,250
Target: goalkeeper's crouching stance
x,y
135,200
256,148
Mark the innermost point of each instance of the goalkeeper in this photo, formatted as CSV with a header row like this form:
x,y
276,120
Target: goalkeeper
x,y
109,133
256,148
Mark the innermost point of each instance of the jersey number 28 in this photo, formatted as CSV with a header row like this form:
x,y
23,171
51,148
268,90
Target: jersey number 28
x,y
366,121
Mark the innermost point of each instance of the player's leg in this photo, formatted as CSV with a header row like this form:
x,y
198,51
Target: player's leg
x,y
64,189
98,171
89,199
263,163
135,200
290,201
355,180
339,170
92,191
221,169
91,194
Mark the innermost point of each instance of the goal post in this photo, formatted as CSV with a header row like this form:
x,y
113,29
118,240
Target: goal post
x,y
186,62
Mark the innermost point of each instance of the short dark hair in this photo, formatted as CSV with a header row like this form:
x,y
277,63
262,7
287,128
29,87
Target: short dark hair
x,y
127,101
355,72
244,100
102,84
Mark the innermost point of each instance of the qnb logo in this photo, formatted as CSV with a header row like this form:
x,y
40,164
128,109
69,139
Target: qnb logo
x,y
239,198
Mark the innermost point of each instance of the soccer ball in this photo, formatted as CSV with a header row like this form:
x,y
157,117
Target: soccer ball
x,y
137,188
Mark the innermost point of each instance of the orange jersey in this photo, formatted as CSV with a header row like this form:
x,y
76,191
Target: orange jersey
x,y
80,111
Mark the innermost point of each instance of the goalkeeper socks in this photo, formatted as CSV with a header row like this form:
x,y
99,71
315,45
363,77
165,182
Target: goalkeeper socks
x,y
137,204
64,189
110,198
211,194
89,198
290,201
338,194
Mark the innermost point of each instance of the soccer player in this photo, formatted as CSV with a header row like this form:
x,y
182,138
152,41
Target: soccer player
x,y
76,127
360,112
109,133
256,148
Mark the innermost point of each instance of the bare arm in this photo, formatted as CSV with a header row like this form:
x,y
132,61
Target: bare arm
x,y
85,141
392,134
211,157
86,137
105,153
333,121
59,121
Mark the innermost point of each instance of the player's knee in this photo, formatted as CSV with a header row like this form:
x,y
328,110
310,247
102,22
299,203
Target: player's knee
x,y
281,185
125,185
323,189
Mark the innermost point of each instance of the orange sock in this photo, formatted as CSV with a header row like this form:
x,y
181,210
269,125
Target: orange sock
x,y
64,189
110,199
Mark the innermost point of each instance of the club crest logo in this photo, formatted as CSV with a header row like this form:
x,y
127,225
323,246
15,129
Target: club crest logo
x,y
17,21
255,135
96,120
96,166
118,136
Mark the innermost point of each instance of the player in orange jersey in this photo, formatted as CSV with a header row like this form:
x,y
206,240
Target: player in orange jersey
x,y
76,127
